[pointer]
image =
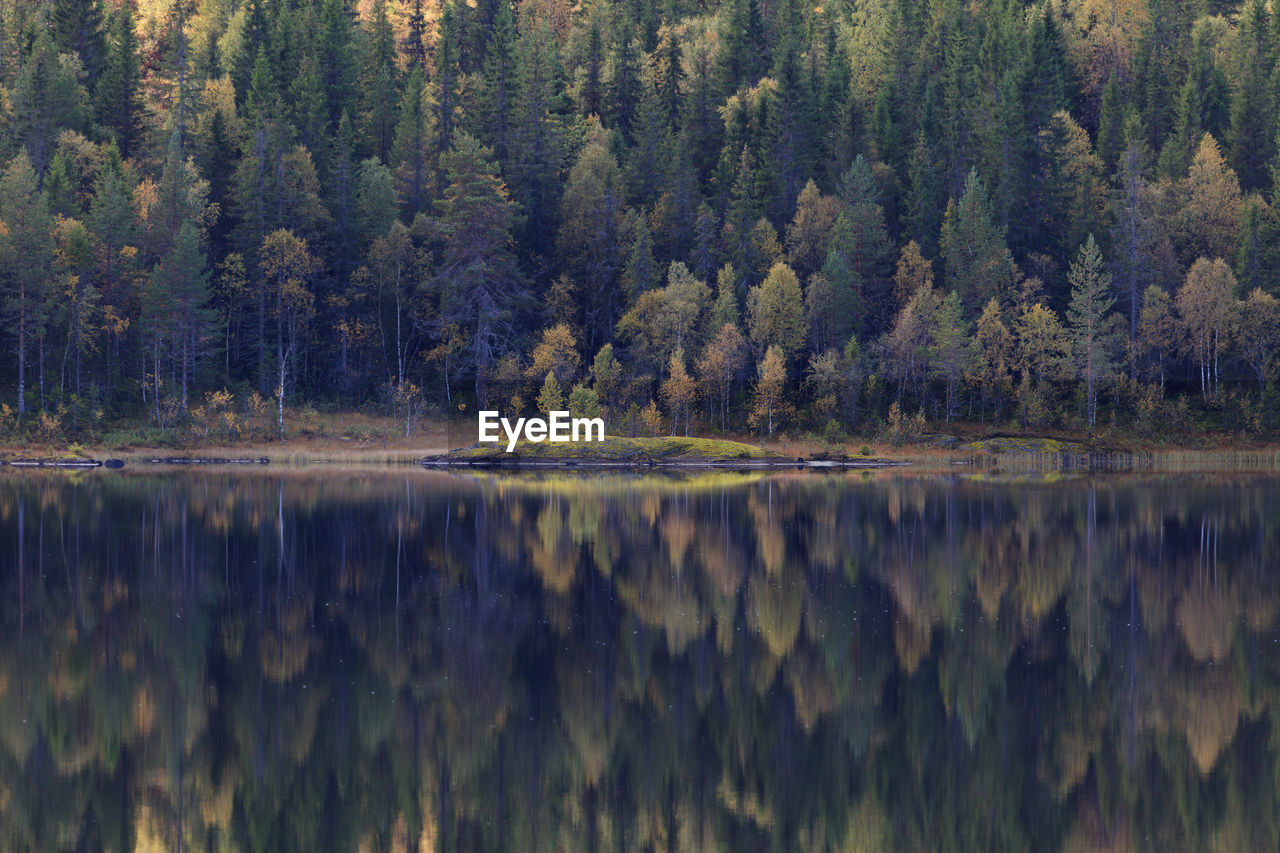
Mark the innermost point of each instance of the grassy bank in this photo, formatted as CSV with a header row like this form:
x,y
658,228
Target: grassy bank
x,y
619,450
363,440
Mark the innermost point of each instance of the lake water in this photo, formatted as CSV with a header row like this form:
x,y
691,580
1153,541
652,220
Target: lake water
x,y
406,660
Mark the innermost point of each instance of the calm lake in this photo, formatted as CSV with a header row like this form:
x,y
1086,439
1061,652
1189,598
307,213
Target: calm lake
x,y
394,659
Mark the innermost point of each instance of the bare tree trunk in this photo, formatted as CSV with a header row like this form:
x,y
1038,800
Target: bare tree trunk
x,y
155,398
22,354
280,354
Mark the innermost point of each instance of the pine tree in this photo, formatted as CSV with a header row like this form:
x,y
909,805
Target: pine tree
x,y
499,80
1180,147
26,254
706,251
1111,124
979,266
477,277
642,270
341,199
379,85
791,126
336,57
1092,325
46,99
539,138
415,43
415,144
444,84
1254,105
309,111
78,28
1133,235
863,242
117,96
624,89
591,95
845,286
669,77
924,208
379,115
743,53
590,239
187,297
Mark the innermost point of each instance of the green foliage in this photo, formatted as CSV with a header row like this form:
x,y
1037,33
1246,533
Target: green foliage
x,y
468,176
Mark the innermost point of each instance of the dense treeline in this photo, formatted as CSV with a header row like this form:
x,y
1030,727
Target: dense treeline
x,y
688,216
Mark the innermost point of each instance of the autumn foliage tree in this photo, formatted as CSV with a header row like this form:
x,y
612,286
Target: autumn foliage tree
x,y
288,268
1207,308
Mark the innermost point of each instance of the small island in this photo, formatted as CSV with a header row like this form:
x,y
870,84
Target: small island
x,y
618,451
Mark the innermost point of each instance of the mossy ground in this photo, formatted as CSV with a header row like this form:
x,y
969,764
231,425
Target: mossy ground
x,y
1023,444
617,449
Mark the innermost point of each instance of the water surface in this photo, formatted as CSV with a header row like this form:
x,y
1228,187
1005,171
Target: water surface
x,y
407,660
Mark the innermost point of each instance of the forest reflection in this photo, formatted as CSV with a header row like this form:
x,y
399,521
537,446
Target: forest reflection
x,y
417,661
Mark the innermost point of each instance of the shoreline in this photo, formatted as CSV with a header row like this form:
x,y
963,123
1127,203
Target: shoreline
x,y
991,455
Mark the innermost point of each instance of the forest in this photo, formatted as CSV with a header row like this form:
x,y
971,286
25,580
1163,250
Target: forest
x,y
874,217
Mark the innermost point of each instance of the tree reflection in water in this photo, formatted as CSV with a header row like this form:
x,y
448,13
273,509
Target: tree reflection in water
x,y
415,661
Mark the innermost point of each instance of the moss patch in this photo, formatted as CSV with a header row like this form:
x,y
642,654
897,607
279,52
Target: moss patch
x,y
1024,445
616,449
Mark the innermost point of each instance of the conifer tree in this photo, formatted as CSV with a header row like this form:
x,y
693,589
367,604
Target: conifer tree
x,y
498,86
78,28
1092,323
477,278
26,253
187,293
117,96
415,145
539,144
979,266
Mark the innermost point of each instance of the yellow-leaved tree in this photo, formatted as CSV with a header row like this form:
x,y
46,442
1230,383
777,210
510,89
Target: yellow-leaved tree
x,y
287,269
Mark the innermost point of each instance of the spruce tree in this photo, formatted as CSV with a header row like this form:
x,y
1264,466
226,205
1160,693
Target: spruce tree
x,y
1089,317
26,255
539,136
477,277
117,96
79,28
413,151
624,89
979,266
498,84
